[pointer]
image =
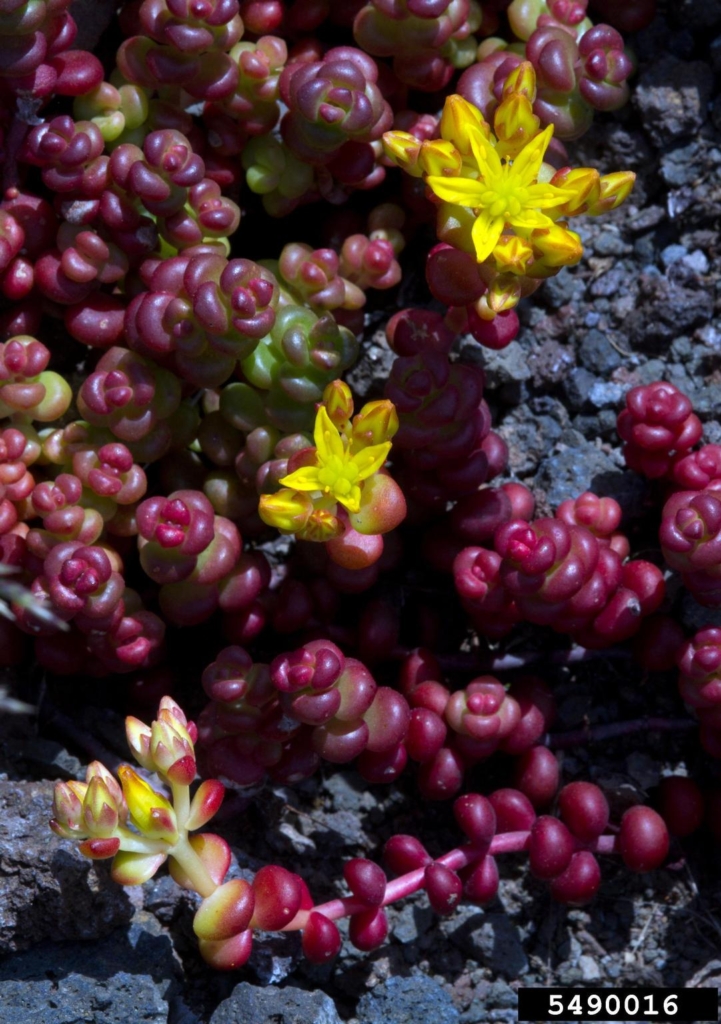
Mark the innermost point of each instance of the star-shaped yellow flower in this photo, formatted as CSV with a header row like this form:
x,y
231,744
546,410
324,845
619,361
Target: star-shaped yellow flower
x,y
506,192
338,473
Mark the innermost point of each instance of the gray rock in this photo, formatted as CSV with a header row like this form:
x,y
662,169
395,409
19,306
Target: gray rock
x,y
349,791
274,956
645,218
645,248
569,473
369,374
577,386
491,938
406,1001
45,758
606,396
597,354
683,349
697,261
129,976
587,468
663,311
603,425
672,254
249,1004
411,922
679,166
559,290
501,994
502,366
610,284
590,971
610,243
529,438
672,97
48,890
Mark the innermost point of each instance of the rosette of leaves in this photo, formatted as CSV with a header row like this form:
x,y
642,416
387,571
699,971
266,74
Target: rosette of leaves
x,y
273,171
159,174
312,277
70,154
427,39
116,108
202,314
190,551
292,365
183,43
690,536
132,398
332,102
34,39
253,108
28,390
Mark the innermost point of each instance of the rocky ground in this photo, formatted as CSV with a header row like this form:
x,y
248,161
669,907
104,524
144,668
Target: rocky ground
x,y
643,305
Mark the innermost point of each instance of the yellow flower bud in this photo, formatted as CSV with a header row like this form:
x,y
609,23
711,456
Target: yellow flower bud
x,y
512,255
615,188
286,510
97,770
558,247
338,402
137,734
437,156
584,183
515,124
172,750
150,812
458,119
522,81
100,810
376,423
68,800
504,293
322,525
402,149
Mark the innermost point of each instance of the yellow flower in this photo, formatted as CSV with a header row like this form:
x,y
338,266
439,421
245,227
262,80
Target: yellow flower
x,y
505,193
338,473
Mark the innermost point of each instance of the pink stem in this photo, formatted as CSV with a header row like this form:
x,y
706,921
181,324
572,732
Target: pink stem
x,y
461,857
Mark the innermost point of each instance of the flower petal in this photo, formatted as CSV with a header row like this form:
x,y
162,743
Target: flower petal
x,y
488,160
465,191
352,500
486,232
527,164
303,479
328,441
527,220
546,196
369,460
